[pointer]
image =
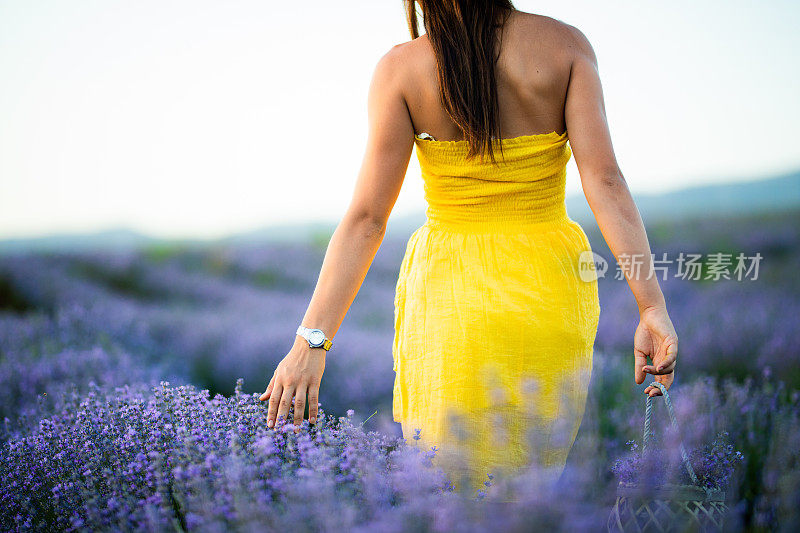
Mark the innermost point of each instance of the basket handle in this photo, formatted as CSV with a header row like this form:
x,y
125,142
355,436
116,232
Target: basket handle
x,y
648,412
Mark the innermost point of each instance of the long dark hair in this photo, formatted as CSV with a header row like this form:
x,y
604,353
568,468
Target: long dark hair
x,y
463,34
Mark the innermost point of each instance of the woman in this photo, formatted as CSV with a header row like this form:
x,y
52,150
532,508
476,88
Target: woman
x,y
495,319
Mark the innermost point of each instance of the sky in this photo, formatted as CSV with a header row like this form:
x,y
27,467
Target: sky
x,y
199,119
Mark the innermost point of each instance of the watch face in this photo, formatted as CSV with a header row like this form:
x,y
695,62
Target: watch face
x,y
316,337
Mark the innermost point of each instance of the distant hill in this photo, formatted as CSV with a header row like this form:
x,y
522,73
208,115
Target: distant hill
x,y
745,197
742,197
118,238
295,232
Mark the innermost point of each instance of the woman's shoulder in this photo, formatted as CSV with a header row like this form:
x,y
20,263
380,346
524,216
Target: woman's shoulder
x,y
538,39
535,28
555,33
413,49
543,22
414,56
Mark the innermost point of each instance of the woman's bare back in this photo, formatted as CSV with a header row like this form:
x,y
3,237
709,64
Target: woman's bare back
x,y
532,79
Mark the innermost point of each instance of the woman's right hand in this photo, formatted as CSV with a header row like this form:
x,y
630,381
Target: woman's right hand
x,y
298,374
655,338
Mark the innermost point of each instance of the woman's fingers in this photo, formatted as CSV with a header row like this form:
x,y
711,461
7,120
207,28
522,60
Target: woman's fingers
x,y
651,369
671,356
280,399
299,406
642,349
665,380
267,392
667,369
665,364
313,396
273,404
639,361
652,391
284,404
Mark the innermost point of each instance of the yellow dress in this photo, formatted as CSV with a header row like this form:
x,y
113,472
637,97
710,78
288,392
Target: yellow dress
x,y
495,312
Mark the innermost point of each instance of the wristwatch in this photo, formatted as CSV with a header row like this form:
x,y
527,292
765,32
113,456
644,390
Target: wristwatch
x,y
315,337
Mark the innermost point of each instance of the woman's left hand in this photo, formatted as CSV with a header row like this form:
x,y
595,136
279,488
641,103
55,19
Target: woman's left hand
x,y
655,338
298,374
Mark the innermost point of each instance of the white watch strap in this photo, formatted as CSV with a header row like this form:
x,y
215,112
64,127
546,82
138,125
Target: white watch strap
x,y
304,332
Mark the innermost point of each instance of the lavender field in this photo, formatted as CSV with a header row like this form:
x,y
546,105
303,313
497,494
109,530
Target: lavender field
x,y
129,386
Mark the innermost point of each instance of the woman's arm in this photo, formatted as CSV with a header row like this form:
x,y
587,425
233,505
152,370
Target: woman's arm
x,y
354,242
617,216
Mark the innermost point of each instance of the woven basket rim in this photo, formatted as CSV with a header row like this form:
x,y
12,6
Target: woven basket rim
x,y
670,491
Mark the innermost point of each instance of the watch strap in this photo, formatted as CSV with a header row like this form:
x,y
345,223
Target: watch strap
x,y
304,331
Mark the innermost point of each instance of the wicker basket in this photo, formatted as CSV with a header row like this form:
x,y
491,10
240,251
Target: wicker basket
x,y
666,507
